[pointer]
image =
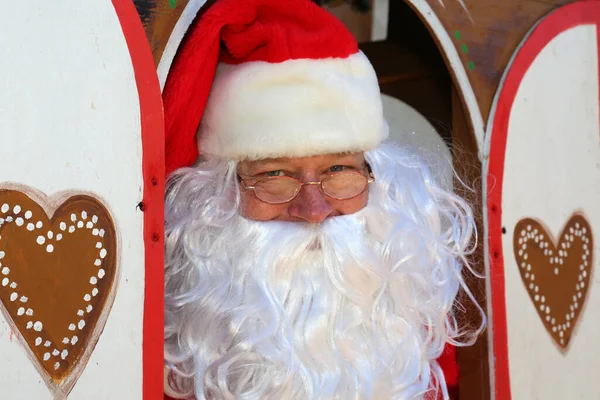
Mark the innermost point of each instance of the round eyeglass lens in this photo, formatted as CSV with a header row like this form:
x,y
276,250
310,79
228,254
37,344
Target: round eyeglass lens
x,y
344,186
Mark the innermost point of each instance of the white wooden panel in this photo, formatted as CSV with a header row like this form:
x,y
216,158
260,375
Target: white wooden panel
x,y
70,120
552,169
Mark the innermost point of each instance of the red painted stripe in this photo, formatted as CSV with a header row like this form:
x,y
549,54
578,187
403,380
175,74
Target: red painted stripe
x,y
597,15
153,166
564,18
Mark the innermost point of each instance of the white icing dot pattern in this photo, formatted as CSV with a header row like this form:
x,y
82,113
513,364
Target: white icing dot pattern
x,y
572,236
41,240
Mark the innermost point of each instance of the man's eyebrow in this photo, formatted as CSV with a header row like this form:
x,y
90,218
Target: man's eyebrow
x,y
266,165
348,158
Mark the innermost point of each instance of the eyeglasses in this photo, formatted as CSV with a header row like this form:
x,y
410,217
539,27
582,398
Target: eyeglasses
x,y
281,189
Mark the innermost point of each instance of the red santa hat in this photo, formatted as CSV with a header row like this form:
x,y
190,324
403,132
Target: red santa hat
x,y
256,79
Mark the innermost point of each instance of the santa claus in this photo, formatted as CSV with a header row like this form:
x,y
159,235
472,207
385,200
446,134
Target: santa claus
x,y
306,257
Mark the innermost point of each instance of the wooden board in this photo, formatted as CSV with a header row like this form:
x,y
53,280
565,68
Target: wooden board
x,y
486,34
159,18
81,203
544,185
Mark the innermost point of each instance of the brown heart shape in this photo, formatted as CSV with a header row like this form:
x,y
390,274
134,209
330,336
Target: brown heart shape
x,y
556,274
57,279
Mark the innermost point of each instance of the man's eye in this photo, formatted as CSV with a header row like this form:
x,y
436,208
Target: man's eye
x,y
274,173
336,168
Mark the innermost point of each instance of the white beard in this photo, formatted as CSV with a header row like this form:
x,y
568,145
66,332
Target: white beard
x,y
354,308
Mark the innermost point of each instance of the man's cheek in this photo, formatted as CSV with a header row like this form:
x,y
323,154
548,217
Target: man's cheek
x,y
246,207
353,205
254,209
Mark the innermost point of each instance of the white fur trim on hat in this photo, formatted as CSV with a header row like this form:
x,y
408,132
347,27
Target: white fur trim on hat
x,y
294,108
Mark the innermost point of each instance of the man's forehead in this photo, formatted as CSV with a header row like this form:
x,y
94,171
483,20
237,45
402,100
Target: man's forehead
x,y
309,160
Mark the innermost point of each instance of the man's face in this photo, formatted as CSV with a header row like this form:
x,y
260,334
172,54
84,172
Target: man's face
x,y
311,204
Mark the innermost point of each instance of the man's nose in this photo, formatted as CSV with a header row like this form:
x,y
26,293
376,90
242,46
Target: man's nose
x,y
311,205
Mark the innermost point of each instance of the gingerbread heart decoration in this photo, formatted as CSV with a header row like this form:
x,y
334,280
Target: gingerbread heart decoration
x,y
556,273
58,272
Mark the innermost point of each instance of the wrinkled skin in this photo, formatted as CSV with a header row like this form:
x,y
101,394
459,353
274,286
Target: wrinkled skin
x,y
311,205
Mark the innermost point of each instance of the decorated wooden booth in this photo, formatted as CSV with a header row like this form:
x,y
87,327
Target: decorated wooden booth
x,y
509,90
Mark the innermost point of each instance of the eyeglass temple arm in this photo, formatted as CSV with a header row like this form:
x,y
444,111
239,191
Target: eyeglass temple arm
x,y
244,185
